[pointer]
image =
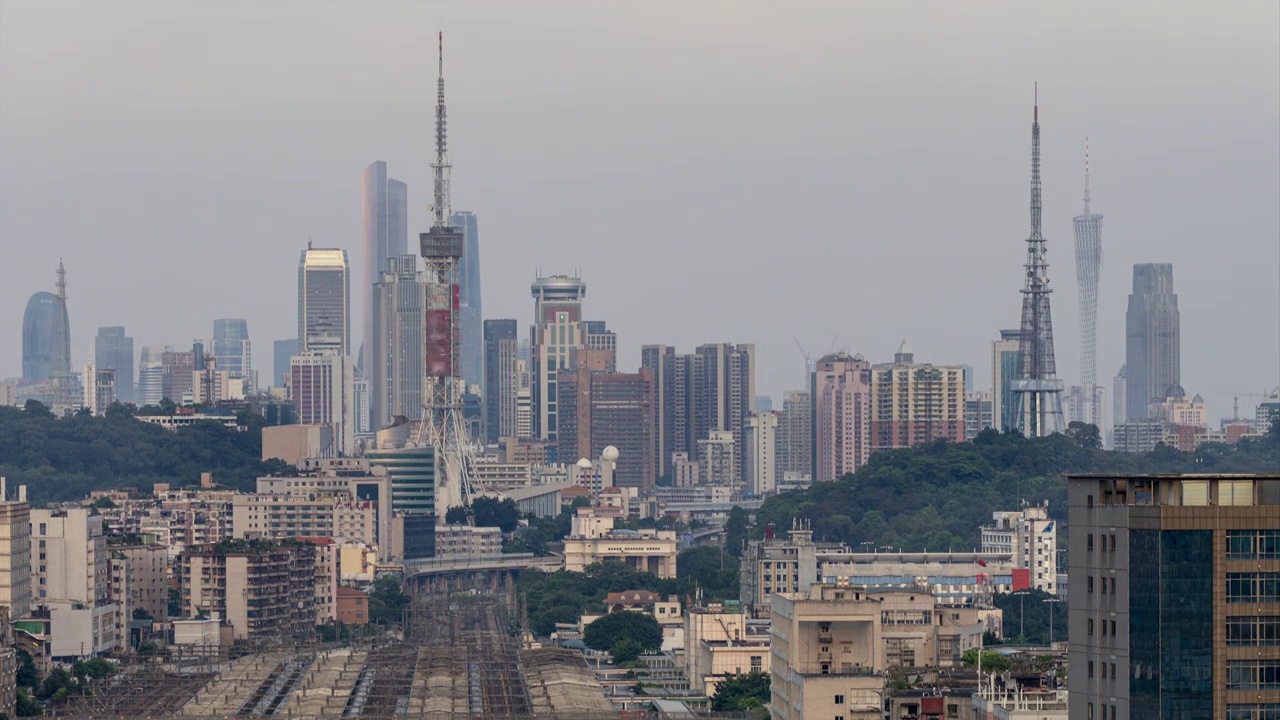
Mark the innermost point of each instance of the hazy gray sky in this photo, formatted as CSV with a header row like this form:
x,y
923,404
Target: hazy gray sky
x,y
743,172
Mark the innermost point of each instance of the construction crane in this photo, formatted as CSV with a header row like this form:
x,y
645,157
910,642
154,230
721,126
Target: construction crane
x,y
808,361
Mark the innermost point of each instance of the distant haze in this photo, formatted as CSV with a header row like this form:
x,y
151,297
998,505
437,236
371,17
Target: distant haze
x,y
742,172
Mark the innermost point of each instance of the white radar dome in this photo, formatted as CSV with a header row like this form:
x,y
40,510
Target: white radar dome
x,y
610,454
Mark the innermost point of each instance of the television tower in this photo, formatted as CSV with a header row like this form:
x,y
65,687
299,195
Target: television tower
x,y
1039,392
1088,230
442,246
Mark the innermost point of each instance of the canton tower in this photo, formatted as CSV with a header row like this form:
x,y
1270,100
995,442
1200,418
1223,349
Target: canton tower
x,y
1088,229
1039,392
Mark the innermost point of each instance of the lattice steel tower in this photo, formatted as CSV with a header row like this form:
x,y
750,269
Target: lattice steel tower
x,y
1088,229
1039,392
442,246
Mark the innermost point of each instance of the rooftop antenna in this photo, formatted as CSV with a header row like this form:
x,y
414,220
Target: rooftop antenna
x,y
62,281
440,168
1086,176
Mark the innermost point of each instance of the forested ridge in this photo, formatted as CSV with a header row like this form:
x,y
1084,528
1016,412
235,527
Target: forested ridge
x,y
936,496
66,458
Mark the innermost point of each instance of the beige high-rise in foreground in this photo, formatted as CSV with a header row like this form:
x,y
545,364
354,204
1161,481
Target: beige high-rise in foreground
x,y
15,551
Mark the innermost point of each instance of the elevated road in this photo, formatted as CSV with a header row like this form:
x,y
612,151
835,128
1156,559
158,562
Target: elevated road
x,y
458,573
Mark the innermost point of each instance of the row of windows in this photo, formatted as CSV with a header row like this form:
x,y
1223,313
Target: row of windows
x,y
1105,716
1104,627
1103,670
1102,541
1253,675
1254,630
1253,544
1263,587
1113,583
1253,711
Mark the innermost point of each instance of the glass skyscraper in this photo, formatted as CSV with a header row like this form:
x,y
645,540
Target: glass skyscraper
x,y
231,349
471,350
1152,338
45,326
385,218
324,309
395,370
113,350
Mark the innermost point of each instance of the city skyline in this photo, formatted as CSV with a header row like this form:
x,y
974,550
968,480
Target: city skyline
x,y
1128,130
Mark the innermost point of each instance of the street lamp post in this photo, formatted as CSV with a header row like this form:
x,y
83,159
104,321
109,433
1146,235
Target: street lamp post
x,y
1054,600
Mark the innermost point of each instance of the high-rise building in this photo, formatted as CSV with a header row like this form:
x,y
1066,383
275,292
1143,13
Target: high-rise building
x,y
113,350
524,400
1088,229
232,350
979,414
99,389
717,460
841,391
284,350
71,577
1267,412
600,410
384,212
795,435
394,364
1174,596
724,393
46,334
1031,537
15,551
176,374
556,335
1006,366
413,472
671,403
601,351
470,317
761,453
501,381
1152,338
1039,390
1120,396
151,374
321,384
324,299
913,403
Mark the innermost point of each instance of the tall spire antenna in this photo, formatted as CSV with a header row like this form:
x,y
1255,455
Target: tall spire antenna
x,y
62,281
1035,169
1086,176
440,168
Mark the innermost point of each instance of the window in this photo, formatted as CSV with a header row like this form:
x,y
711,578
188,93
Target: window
x,y
1103,669
1113,628
1090,583
1253,544
1104,627
1253,674
1089,503
1262,587
1090,626
1263,631
1113,671
1090,668
1090,543
1253,711
839,700
1090,704
1113,542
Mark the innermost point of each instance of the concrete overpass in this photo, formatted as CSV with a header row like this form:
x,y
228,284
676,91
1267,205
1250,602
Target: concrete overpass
x,y
473,571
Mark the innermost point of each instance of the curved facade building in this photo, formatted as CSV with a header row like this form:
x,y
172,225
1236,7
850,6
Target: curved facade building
x,y
45,329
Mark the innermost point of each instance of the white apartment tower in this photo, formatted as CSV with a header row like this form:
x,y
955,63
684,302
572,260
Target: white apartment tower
x,y
1032,537
762,453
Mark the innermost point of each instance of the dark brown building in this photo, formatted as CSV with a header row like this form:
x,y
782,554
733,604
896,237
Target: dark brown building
x,y
597,410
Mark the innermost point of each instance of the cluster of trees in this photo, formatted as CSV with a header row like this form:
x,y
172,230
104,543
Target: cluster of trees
x,y
935,496
626,635
486,512
737,693
562,597
61,459
1027,613
386,601
58,685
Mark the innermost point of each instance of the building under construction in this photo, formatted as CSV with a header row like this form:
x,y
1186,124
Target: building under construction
x,y
458,656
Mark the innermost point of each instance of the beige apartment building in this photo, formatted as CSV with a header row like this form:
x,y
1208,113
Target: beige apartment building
x,y
146,575
592,539
15,552
827,655
262,589
720,642
71,578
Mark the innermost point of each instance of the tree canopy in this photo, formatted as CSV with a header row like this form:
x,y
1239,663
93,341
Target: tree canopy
x,y
61,459
628,626
741,692
936,496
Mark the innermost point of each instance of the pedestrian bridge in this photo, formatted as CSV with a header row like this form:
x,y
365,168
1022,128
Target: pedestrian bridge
x,y
473,571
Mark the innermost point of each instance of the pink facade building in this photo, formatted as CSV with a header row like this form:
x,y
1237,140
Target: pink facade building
x,y
841,415
913,403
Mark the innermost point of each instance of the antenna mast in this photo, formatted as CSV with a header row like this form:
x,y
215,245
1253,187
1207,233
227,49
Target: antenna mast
x,y
62,281
440,168
1086,176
